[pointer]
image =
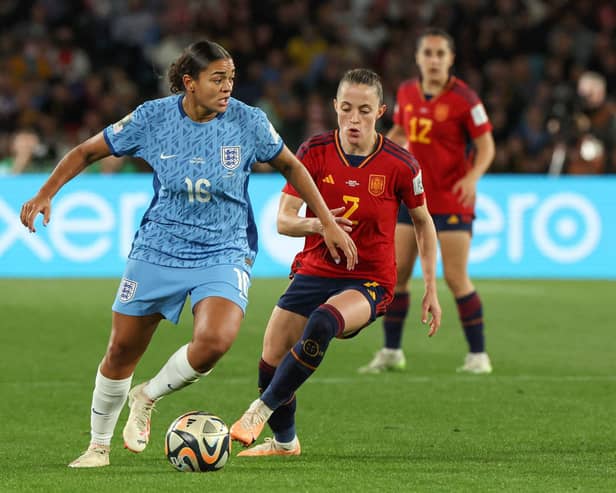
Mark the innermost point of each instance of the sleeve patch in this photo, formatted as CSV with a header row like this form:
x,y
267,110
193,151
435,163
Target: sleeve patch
x,y
119,126
418,185
273,133
479,115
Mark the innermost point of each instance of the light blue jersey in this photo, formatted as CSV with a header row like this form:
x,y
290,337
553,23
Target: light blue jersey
x,y
200,214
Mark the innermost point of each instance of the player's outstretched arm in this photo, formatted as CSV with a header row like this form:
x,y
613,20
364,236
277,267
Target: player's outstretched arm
x,y
426,244
290,223
73,163
333,235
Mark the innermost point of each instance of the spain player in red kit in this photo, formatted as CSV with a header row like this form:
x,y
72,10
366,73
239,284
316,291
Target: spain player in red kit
x,y
363,178
439,118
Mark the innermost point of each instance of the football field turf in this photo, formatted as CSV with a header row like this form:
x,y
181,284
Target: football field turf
x,y
544,421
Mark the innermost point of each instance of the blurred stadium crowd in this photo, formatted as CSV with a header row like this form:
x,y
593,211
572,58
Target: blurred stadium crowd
x,y
546,69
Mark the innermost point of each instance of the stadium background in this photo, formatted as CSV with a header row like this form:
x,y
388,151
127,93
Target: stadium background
x,y
68,68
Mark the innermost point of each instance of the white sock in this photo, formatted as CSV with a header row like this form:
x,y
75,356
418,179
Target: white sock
x,y
287,445
108,399
176,374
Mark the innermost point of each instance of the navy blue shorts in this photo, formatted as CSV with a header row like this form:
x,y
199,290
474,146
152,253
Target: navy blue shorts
x,y
442,222
306,293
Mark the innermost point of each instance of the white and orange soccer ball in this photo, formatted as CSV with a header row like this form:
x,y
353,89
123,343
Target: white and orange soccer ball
x,y
198,441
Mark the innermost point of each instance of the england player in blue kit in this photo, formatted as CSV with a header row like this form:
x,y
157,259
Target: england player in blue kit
x,y
197,238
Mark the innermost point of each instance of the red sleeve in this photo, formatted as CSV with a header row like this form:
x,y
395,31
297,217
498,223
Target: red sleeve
x,y
411,188
304,155
476,119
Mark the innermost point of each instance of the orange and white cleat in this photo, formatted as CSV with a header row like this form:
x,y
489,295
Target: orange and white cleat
x,y
272,447
248,428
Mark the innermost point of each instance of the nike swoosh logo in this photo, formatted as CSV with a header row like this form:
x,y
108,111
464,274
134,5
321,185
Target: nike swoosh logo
x,y
167,156
96,412
170,386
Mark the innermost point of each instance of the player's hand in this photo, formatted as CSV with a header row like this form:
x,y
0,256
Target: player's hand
x,y
335,238
35,206
430,305
344,222
466,190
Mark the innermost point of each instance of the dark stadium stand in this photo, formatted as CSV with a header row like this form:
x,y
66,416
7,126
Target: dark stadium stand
x,y
68,68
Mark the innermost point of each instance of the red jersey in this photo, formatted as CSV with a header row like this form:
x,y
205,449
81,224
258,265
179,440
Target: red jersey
x,y
371,193
438,131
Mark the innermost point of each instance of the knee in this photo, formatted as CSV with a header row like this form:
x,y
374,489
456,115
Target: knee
x,y
120,355
457,282
206,351
275,350
401,284
324,324
451,281
404,271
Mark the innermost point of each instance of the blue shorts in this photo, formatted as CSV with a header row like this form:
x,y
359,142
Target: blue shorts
x,y
442,222
148,288
306,293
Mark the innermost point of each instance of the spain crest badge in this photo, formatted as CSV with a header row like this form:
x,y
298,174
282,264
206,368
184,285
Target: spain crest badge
x,y
376,185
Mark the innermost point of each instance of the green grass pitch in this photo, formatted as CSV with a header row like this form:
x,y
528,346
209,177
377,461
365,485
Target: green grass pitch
x,y
544,421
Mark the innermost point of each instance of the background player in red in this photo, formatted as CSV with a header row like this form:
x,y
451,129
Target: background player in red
x,y
363,178
437,117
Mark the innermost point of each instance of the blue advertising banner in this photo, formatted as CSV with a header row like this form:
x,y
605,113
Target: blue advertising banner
x,y
526,227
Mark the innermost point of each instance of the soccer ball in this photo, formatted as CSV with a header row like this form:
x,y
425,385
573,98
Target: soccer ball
x,y
198,441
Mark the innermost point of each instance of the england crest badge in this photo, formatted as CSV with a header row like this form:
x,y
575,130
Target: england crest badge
x,y
127,290
230,156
